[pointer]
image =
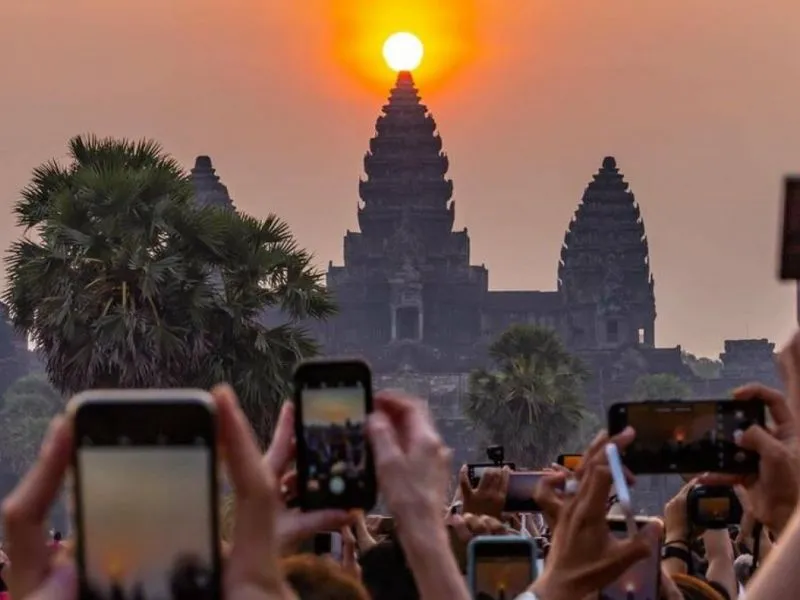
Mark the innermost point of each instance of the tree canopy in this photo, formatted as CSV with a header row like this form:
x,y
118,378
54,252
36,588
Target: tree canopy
x,y
123,281
531,401
660,386
28,407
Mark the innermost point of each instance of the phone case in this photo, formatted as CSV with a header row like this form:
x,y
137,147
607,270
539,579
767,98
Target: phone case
x,y
498,539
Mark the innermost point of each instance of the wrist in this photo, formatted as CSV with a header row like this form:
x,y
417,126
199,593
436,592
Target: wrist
x,y
546,588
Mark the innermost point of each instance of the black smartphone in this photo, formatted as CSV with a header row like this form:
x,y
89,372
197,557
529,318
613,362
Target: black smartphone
x,y
681,436
643,580
790,239
713,507
500,566
334,460
521,487
146,494
476,470
570,461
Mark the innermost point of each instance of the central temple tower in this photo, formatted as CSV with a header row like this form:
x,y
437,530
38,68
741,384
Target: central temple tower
x,y
407,294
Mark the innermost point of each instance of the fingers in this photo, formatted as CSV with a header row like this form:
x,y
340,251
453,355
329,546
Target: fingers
x,y
774,399
254,539
26,508
546,495
719,479
758,439
385,444
410,418
297,526
598,443
281,449
593,495
491,479
463,483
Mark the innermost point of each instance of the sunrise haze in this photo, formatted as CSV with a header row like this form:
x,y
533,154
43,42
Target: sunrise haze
x,y
697,100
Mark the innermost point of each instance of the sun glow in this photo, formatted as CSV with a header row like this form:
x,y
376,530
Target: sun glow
x,y
403,51
360,29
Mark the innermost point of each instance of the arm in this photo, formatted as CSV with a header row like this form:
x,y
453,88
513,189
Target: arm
x,y
427,550
719,553
779,577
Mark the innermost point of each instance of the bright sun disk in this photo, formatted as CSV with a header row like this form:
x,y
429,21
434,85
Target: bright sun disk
x,y
403,51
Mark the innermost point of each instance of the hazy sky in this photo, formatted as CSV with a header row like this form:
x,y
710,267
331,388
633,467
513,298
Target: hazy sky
x,y
699,101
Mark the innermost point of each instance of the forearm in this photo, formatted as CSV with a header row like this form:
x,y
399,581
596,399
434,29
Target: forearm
x,y
719,553
431,560
779,577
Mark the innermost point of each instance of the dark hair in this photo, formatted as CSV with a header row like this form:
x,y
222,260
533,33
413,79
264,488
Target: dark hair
x,y
385,573
317,578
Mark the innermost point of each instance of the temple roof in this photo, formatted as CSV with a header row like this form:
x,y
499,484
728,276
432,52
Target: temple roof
x,y
208,189
606,232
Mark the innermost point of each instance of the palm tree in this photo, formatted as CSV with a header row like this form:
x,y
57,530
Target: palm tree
x,y
122,280
531,402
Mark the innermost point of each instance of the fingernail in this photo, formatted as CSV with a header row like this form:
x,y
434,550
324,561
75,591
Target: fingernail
x,y
737,436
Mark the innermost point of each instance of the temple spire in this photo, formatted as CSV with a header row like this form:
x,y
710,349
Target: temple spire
x,y
208,189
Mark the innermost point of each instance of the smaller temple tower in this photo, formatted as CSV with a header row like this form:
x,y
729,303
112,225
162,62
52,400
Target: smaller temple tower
x,y
208,189
604,276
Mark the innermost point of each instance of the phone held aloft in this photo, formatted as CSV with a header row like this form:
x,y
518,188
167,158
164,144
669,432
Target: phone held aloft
x,y
643,580
687,436
500,566
145,493
713,507
521,489
334,460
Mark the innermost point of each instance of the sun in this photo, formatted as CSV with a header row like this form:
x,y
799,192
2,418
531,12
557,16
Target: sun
x,y
403,51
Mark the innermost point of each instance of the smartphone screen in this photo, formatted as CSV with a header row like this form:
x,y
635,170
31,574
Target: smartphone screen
x,y
641,581
714,509
332,401
687,437
521,487
146,497
502,570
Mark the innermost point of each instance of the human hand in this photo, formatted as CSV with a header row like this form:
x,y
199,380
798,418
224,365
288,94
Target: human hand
x,y
294,526
584,555
350,553
676,517
773,491
463,528
411,461
490,495
364,539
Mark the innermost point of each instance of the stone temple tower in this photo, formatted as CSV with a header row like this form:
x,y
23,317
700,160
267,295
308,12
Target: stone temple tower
x,y
407,294
208,189
604,276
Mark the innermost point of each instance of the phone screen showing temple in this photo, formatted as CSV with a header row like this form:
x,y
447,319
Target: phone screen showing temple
x,y
640,582
335,444
146,525
502,577
714,508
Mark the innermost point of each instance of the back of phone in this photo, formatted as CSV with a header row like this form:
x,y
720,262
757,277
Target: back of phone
x,y
145,488
642,580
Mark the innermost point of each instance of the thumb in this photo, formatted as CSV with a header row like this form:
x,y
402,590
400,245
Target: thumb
x,y
384,442
464,484
757,439
545,494
61,584
301,526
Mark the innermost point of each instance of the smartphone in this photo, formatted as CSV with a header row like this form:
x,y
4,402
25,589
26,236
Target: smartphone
x,y
570,461
500,566
643,580
476,470
790,240
146,493
682,436
713,507
521,487
623,492
335,468
328,544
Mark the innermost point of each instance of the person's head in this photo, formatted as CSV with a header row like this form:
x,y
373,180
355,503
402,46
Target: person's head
x,y
317,578
386,574
743,566
693,588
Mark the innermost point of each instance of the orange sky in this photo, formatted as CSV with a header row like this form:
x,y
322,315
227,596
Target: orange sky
x,y
698,100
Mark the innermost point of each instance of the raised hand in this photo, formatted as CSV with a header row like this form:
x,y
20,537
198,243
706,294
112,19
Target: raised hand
x,y
490,495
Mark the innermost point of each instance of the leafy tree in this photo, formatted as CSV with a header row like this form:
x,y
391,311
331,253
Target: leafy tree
x,y
660,386
531,401
28,407
127,282
705,368
588,428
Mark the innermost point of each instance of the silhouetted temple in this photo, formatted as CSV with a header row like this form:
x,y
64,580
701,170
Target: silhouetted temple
x,y
410,301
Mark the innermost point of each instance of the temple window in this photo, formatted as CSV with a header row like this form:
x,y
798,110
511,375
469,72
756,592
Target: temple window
x,y
640,333
407,323
612,331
